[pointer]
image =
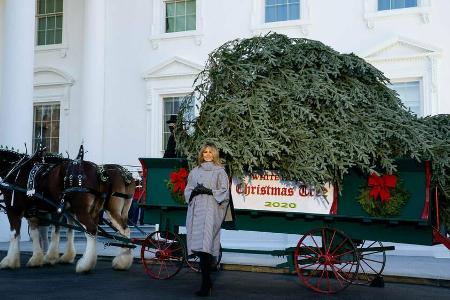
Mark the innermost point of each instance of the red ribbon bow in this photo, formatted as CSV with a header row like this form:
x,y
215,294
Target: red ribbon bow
x,y
179,180
381,185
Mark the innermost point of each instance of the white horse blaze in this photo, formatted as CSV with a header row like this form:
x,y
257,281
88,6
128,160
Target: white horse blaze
x,y
89,259
12,259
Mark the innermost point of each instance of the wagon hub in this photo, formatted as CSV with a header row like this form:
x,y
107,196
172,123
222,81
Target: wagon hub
x,y
163,254
326,259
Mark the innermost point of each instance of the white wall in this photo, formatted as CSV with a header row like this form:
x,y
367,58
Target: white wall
x,y
132,49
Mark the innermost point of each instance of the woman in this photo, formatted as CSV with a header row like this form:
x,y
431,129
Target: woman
x,y
207,196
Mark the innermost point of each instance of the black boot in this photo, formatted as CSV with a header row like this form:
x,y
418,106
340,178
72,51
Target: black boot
x,y
205,262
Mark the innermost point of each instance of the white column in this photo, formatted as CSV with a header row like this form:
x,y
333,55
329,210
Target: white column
x,y
16,99
93,95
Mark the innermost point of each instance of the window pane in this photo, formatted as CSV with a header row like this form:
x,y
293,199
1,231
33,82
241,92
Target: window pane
x,y
59,6
281,2
294,12
179,23
384,4
41,38
50,6
411,3
271,14
41,6
42,23
170,24
190,7
51,23
409,93
180,8
58,36
397,4
170,9
50,37
271,2
59,23
54,145
190,22
46,126
282,13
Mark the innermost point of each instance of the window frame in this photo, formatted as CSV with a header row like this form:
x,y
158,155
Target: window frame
x,y
35,122
373,16
259,25
46,16
390,4
175,16
419,80
288,9
165,116
158,32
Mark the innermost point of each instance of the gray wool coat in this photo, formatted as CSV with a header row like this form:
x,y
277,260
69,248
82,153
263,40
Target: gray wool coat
x,y
205,212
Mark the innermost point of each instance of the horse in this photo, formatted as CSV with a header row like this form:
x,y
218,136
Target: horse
x,y
71,185
118,201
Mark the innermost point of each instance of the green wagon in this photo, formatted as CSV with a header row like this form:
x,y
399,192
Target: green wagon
x,y
339,247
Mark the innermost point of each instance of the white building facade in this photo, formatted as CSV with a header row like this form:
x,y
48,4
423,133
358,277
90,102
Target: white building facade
x,y
108,73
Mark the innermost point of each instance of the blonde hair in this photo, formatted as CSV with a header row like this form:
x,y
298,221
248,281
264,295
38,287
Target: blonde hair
x,y
215,152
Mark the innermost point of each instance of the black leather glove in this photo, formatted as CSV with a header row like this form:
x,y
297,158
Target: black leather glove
x,y
201,189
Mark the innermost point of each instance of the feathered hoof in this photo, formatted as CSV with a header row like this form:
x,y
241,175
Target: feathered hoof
x,y
85,265
51,258
122,262
67,258
10,263
36,261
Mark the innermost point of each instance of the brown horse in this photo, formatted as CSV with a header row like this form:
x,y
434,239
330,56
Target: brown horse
x,y
120,187
117,205
70,185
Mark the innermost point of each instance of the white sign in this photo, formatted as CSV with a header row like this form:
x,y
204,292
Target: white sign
x,y
269,192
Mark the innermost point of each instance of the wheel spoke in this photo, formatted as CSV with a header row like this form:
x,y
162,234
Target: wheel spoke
x,y
339,246
331,242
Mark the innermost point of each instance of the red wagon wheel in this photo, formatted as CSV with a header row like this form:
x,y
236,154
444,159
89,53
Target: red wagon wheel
x,y
326,260
162,254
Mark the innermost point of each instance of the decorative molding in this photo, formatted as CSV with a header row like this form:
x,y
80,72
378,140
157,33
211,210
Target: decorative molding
x,y
259,26
404,59
174,67
182,74
158,33
413,50
60,49
53,85
373,15
61,78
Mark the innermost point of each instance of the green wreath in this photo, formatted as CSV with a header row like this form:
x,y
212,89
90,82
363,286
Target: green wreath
x,y
177,184
398,196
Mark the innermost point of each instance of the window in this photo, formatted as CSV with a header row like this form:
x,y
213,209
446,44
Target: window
x,y
46,126
171,107
282,10
49,22
396,4
180,15
409,93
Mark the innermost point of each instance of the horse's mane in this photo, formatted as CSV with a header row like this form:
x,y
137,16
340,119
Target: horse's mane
x,y
9,155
